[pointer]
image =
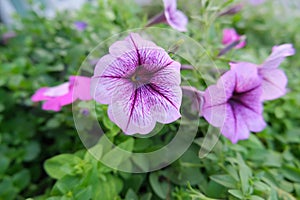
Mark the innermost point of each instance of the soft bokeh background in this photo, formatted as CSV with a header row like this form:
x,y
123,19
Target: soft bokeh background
x,y
41,155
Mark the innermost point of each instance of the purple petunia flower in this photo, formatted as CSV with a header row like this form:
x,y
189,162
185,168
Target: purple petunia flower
x,y
230,36
80,25
140,82
234,103
274,80
175,18
57,97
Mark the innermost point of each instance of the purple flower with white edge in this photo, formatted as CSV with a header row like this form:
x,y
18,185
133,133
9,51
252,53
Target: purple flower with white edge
x,y
274,80
80,25
230,36
234,103
175,18
140,82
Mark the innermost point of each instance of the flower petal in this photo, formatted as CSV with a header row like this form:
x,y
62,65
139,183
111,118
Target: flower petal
x,y
247,77
59,90
81,87
214,107
39,95
177,20
277,56
274,83
234,127
51,104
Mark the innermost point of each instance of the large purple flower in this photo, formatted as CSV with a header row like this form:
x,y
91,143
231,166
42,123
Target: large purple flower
x,y
234,103
274,80
140,82
175,18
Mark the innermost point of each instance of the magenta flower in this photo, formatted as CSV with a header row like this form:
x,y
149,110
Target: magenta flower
x,y
80,25
274,80
140,82
234,103
175,18
78,87
230,36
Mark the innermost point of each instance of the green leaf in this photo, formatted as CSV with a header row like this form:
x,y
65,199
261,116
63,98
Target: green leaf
x,y
32,150
131,195
160,188
291,173
254,197
107,189
61,165
120,153
237,193
4,163
21,179
67,184
84,193
224,180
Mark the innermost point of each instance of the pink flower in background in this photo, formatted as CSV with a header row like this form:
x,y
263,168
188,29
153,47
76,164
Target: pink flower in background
x,y
78,87
274,80
140,82
234,103
175,18
230,36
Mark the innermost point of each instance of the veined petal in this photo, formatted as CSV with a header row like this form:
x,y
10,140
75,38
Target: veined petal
x,y
247,76
234,127
132,43
277,56
170,5
214,107
138,112
274,83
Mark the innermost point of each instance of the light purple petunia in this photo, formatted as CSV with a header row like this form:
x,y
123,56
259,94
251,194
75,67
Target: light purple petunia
x,y
230,36
175,18
274,80
80,25
56,97
234,103
140,82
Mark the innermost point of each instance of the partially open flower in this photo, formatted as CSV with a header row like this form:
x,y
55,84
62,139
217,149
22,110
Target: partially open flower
x,y
56,97
175,18
140,82
230,36
234,103
274,80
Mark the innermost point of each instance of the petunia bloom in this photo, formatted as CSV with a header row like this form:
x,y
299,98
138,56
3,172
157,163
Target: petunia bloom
x,y
140,82
234,104
230,36
78,87
80,25
175,18
274,80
